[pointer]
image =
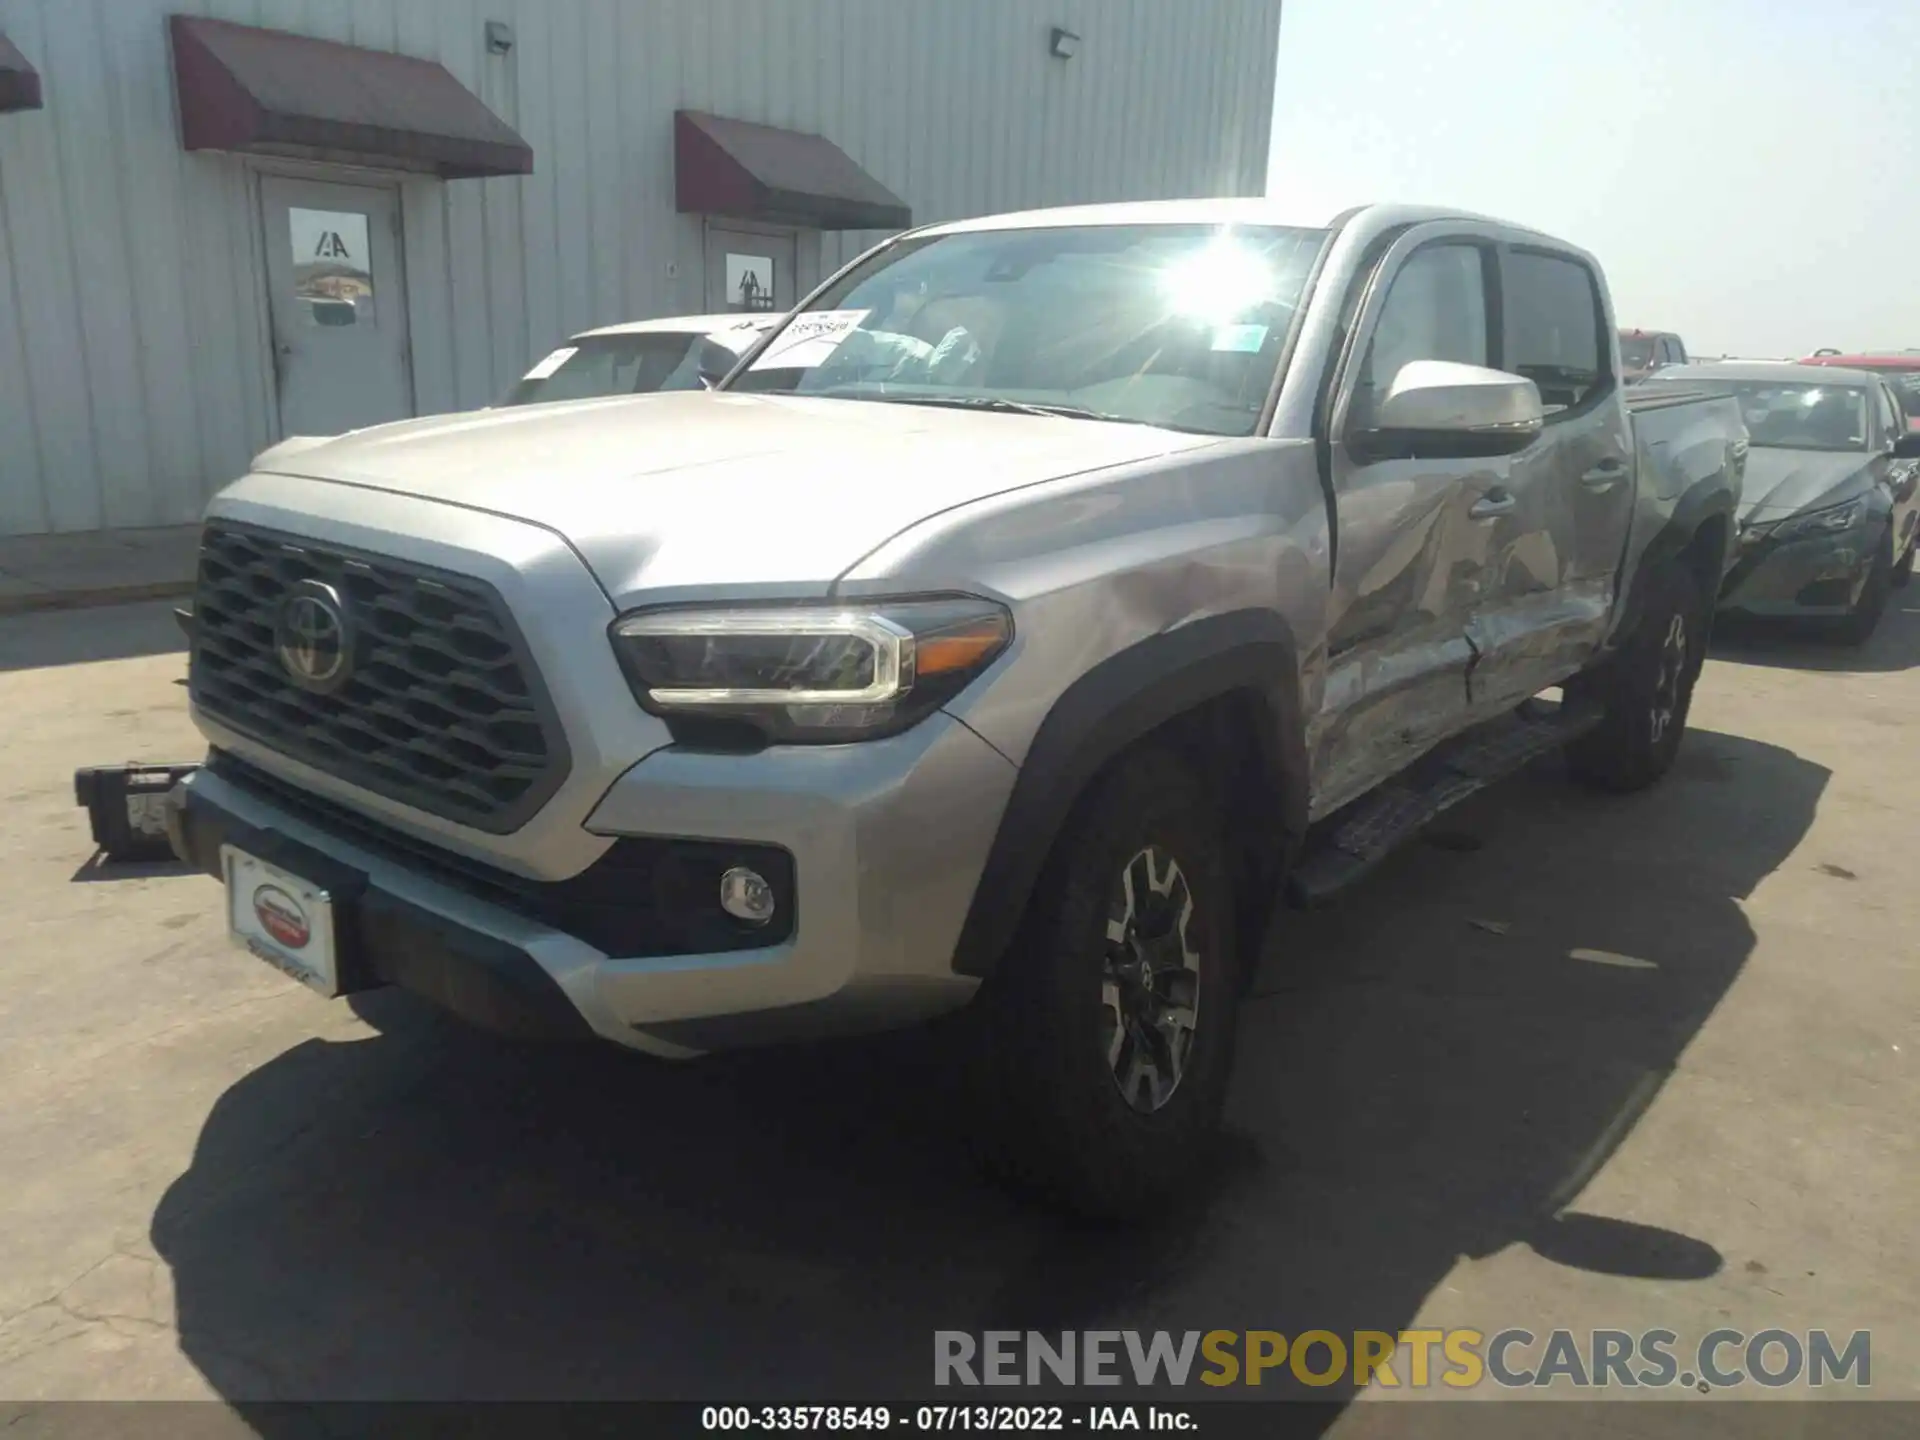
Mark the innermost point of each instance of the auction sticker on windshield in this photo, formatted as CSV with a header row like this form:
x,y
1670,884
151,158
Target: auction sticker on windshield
x,y
281,919
809,340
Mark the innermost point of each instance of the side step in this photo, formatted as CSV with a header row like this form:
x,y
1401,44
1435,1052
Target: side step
x,y
1347,845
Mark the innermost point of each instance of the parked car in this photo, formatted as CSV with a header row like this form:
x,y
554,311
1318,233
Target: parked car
x,y
1900,369
640,358
1828,522
1644,351
1038,599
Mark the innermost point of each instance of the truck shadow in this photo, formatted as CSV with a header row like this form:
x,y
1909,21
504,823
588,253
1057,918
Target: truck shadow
x,y
1799,645
38,640
1431,1070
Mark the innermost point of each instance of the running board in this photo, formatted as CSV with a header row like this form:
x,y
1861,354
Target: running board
x,y
1347,846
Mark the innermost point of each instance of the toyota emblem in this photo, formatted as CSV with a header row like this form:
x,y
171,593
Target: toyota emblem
x,y
312,637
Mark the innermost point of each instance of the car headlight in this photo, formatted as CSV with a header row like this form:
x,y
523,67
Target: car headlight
x,y
809,673
1821,522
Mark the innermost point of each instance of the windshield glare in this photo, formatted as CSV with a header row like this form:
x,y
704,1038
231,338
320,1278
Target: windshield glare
x,y
1179,326
1797,417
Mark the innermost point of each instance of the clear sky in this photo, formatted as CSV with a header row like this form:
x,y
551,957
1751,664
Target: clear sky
x,y
1744,169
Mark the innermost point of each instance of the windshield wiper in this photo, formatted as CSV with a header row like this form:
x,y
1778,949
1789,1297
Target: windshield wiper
x,y
1001,406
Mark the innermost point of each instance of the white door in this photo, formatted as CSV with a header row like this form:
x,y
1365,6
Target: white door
x,y
749,271
337,304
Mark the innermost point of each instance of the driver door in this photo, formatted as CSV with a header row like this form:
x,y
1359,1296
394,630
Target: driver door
x,y
1411,557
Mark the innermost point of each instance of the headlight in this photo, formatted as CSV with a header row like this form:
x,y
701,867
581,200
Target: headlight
x,y
1821,522
810,673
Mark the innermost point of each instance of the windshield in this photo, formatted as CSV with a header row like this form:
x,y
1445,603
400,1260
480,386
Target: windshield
x,y
1796,417
1636,352
634,364
1179,326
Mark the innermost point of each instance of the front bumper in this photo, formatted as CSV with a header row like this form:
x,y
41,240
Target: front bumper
x,y
886,842
1816,575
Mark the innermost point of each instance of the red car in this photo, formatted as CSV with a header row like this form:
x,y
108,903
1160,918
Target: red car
x,y
1900,369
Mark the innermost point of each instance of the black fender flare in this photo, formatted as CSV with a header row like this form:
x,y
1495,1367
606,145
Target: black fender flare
x,y
1705,500
1124,698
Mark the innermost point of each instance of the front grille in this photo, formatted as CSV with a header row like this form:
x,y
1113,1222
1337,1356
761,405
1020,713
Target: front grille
x,y
443,710
644,897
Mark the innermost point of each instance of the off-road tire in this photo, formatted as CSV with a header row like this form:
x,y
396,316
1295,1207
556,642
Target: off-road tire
x,y
1049,1116
1633,746
1856,627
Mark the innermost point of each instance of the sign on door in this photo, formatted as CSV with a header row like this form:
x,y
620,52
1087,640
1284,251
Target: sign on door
x,y
332,266
750,282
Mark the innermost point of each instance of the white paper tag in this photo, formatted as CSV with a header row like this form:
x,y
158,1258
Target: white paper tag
x,y
809,340
1240,339
552,363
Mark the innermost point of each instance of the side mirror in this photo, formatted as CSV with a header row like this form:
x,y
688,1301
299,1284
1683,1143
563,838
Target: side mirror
x,y
1907,446
1439,409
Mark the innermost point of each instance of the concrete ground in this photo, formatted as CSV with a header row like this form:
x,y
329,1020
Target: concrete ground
x,y
1575,1061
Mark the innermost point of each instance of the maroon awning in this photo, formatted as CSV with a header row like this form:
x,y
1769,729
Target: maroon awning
x,y
745,171
19,81
266,92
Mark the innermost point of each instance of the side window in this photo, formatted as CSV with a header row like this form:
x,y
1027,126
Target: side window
x,y
1890,414
1436,309
1669,351
1553,328
1679,350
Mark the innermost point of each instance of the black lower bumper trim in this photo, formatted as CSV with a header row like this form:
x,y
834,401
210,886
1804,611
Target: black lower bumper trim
x,y
386,940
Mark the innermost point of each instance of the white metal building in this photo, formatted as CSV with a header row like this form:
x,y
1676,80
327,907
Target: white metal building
x,y
222,221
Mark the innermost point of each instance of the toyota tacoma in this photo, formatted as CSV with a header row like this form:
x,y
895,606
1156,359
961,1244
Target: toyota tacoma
x,y
1005,633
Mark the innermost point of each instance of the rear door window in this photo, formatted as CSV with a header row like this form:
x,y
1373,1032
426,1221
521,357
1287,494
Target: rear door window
x,y
1554,334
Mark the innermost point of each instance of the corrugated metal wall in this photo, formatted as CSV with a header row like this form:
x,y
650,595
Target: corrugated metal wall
x,y
135,377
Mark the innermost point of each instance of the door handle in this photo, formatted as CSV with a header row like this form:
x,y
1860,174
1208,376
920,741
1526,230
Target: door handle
x,y
1606,474
1494,502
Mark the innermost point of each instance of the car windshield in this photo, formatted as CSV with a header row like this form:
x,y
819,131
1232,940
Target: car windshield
x,y
589,366
1795,416
1179,326
1636,351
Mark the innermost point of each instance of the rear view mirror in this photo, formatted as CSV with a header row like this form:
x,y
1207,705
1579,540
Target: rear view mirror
x,y
1437,409
1907,446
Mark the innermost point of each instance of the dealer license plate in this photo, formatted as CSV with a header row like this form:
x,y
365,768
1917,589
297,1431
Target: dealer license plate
x,y
281,919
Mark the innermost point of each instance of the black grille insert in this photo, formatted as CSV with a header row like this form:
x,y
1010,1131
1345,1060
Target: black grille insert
x,y
444,710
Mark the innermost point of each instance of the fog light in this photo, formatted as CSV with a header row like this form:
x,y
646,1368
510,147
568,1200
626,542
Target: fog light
x,y
745,895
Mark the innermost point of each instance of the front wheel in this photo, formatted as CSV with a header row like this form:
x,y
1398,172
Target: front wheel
x,y
1645,690
1103,1042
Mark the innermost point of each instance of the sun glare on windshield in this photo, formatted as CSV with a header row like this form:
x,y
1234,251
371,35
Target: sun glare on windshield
x,y
1218,282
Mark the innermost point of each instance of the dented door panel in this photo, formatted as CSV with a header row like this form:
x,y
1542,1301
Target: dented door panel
x,y
1398,654
1410,559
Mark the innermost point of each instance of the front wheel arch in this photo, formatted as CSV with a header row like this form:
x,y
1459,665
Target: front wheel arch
x,y
1224,690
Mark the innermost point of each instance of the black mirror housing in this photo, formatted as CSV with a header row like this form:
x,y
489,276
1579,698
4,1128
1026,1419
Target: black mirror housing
x,y
1907,446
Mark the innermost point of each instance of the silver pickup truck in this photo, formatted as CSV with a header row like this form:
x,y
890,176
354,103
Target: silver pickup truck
x,y
1008,630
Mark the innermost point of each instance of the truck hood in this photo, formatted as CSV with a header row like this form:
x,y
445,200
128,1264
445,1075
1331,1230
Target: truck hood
x,y
1780,483
699,488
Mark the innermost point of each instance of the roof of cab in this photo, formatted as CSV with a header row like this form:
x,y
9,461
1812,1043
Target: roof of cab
x,y
683,325
1251,210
